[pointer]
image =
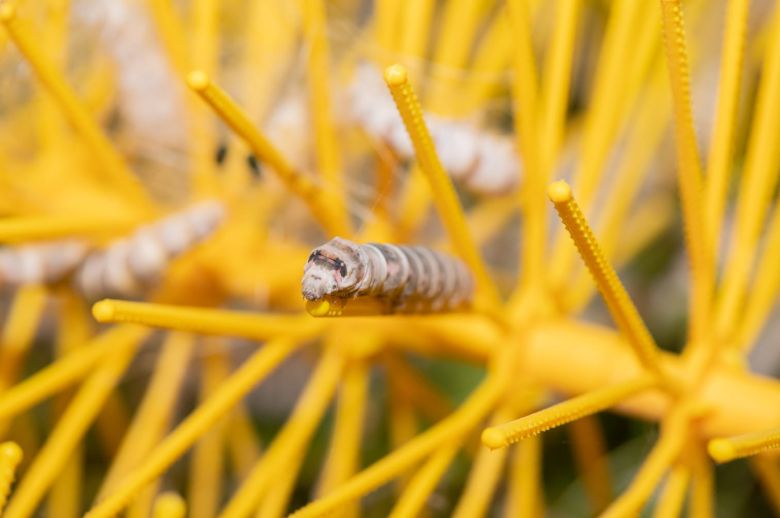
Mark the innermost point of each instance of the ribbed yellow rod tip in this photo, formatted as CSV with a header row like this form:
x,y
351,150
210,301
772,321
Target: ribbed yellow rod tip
x,y
318,308
11,453
494,438
395,75
169,505
559,192
104,311
721,450
198,80
7,11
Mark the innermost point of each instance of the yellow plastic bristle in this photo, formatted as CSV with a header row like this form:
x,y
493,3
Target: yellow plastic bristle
x,y
444,195
759,179
343,459
666,451
24,318
700,251
481,401
590,454
386,25
69,431
206,321
619,303
64,372
721,151
728,449
154,413
768,473
35,228
412,386
670,504
169,505
460,21
114,167
485,472
207,467
492,57
764,289
335,222
251,372
65,497
503,435
702,494
243,445
171,32
291,440
204,54
525,93
415,18
415,496
10,457
525,497
326,144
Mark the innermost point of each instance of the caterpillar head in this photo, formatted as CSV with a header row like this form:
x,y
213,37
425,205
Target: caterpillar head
x,y
333,269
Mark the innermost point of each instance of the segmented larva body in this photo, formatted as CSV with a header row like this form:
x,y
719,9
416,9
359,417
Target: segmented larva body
x,y
40,263
128,267
410,279
150,98
484,162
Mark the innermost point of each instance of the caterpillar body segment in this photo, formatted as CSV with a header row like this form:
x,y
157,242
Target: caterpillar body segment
x,y
401,279
130,266
482,161
40,263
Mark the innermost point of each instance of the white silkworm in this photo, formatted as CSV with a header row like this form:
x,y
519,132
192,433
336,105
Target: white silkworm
x,y
410,279
40,263
150,98
484,162
132,265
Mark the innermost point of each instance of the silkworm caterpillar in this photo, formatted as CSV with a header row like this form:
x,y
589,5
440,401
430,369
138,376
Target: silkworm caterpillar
x,y
484,162
409,279
40,263
129,266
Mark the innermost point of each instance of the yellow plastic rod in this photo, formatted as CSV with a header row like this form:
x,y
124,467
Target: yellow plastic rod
x,y
298,184
113,166
154,413
290,443
205,321
700,252
721,151
619,303
444,194
412,501
252,372
503,435
169,505
10,457
731,448
34,228
69,431
66,371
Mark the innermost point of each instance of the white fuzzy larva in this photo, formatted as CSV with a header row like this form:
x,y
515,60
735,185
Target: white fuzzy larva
x,y
130,266
410,279
40,263
482,161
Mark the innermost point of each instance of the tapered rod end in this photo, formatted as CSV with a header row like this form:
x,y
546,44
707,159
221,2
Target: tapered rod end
x,y
559,192
396,75
198,80
104,311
